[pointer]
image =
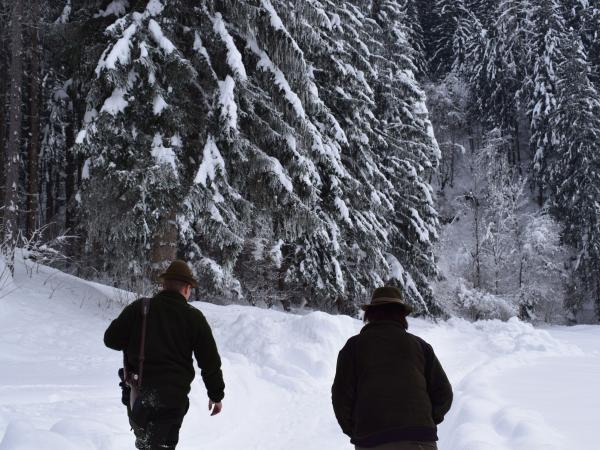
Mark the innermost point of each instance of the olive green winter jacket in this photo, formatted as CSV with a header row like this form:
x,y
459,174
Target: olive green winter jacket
x,y
174,331
389,386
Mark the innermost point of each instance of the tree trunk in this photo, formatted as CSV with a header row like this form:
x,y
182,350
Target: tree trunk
x,y
3,96
471,140
164,245
452,160
34,141
477,255
71,171
2,130
15,114
518,147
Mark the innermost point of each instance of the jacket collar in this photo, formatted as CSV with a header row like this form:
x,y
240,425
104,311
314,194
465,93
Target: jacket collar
x,y
172,295
383,323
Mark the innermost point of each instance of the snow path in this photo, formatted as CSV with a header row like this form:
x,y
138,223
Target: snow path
x,y
58,386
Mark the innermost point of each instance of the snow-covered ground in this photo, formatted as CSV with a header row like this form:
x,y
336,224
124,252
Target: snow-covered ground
x,y
516,387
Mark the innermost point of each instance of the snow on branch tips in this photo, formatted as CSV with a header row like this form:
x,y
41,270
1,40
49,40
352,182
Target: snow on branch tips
x,y
234,57
229,113
212,161
154,8
163,155
116,103
120,52
278,170
281,82
159,37
117,8
158,105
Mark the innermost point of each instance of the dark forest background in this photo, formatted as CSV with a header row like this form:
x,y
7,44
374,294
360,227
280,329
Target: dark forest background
x,y
287,149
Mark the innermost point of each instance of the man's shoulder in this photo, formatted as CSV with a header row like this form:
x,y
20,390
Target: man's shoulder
x,y
418,339
133,306
196,315
425,346
351,343
136,305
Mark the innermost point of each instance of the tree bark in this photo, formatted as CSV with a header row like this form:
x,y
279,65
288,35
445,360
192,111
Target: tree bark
x,y
71,170
3,95
34,141
164,245
477,255
15,115
518,147
2,129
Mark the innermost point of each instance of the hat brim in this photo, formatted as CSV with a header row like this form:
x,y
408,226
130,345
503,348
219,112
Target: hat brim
x,y
169,276
383,301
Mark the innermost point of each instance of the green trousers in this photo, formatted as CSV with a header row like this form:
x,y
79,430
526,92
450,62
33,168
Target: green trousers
x,y
403,445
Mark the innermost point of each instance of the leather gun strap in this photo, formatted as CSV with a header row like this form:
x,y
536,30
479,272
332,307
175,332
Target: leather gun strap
x,y
145,307
125,367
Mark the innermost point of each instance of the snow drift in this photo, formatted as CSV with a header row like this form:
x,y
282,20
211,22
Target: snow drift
x,y
58,386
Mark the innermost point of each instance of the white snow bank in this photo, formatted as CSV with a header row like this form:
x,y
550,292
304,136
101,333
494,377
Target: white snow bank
x,y
483,419
58,387
24,436
288,349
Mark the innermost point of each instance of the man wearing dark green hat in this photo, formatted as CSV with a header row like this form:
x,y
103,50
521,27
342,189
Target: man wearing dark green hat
x,y
174,331
390,391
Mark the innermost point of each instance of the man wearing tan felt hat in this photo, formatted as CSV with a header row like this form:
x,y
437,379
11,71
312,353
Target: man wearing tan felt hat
x,y
159,337
390,391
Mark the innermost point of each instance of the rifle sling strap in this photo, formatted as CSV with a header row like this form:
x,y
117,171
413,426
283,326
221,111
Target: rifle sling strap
x,y
138,381
145,307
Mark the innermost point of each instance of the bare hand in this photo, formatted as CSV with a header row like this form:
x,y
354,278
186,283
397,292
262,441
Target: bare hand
x,y
216,408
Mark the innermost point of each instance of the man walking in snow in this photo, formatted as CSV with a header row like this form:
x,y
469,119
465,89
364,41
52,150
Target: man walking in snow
x,y
390,391
174,331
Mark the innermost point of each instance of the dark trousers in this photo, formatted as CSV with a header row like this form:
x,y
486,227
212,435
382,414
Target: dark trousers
x,y
161,431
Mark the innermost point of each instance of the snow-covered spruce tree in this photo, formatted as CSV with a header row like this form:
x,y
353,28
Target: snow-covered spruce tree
x,y
449,36
222,125
484,10
351,209
297,178
544,53
412,23
243,132
448,102
346,84
498,71
149,140
575,173
348,257
584,16
410,156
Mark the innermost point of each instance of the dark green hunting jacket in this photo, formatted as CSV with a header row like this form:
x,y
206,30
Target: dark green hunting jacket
x,y
174,331
389,386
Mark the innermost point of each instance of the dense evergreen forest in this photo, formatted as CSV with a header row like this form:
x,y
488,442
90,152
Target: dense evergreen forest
x,y
301,153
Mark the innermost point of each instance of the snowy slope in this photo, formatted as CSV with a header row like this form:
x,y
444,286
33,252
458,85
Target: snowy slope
x,y
516,387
